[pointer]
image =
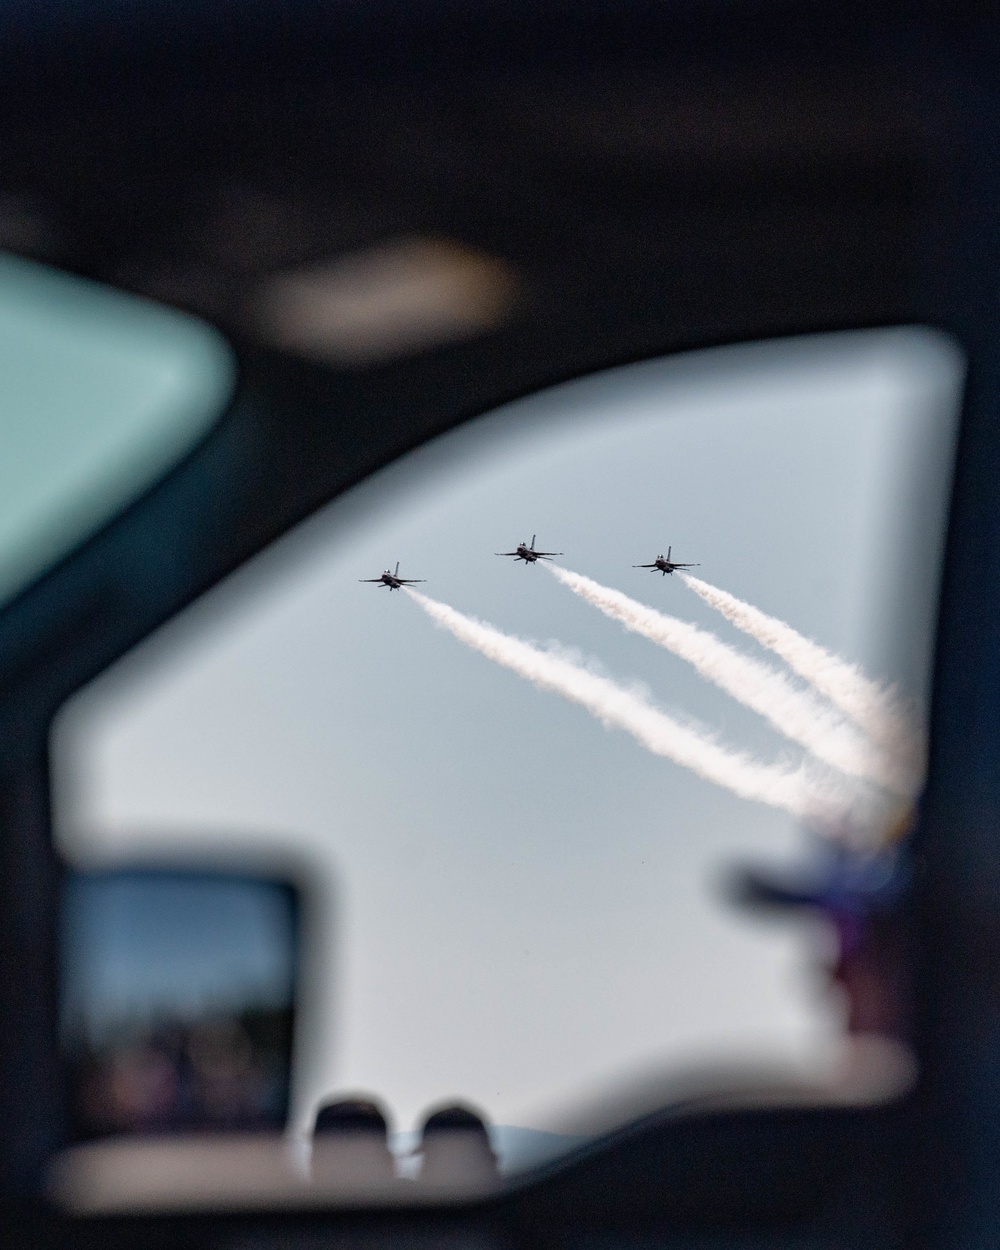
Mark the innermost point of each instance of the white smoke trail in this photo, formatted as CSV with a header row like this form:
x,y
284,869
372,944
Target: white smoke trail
x,y
794,790
875,707
796,713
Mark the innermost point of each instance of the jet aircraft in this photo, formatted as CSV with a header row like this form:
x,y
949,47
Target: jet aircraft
x,y
665,564
393,580
528,554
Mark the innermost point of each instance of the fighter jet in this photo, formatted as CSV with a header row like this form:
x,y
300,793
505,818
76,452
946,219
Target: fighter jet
x,y
665,564
528,554
393,580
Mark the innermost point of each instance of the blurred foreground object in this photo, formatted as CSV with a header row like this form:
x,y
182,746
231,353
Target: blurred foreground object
x,y
100,394
350,1145
456,1151
178,1001
389,301
861,892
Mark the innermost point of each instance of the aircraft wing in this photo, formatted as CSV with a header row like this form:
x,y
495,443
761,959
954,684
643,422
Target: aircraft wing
x,y
369,579
644,566
547,555
410,581
506,553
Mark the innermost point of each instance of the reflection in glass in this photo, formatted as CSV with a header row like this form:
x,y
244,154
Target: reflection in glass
x,y
177,1001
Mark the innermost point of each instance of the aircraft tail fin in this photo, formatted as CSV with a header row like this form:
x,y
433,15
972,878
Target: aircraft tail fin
x,y
396,574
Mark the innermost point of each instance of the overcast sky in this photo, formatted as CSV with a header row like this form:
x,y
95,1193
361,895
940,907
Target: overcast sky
x,y
517,906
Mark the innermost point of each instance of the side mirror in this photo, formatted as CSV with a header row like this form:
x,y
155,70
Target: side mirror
x,y
177,1001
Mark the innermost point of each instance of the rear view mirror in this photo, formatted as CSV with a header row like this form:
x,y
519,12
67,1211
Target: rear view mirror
x,y
177,1001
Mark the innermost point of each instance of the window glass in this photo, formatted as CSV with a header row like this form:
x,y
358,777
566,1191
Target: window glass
x,y
519,857
100,393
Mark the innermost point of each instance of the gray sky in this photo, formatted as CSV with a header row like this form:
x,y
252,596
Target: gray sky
x,y
518,906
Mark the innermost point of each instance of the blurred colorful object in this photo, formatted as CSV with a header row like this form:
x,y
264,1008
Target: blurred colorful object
x,y
177,1000
100,394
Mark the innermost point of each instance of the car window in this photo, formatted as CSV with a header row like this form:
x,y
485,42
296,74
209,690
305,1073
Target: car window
x,y
520,786
100,393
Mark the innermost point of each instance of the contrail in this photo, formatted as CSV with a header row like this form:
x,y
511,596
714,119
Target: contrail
x,y
794,790
874,707
796,713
